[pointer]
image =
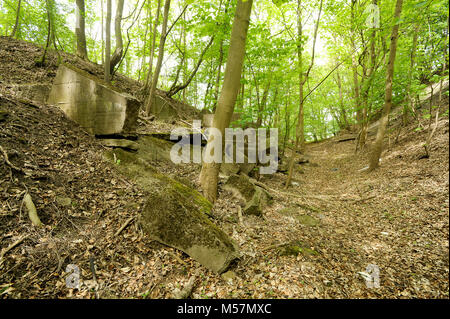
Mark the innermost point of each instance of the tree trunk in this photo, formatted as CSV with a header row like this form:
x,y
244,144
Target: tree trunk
x,y
152,50
378,144
219,71
410,76
300,128
16,24
80,32
144,46
103,35
227,99
108,41
341,103
160,56
262,105
355,66
41,60
366,88
118,52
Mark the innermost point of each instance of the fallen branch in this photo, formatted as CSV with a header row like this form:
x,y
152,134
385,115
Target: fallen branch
x,y
5,156
267,188
13,245
187,290
32,213
123,226
241,221
178,258
426,145
274,246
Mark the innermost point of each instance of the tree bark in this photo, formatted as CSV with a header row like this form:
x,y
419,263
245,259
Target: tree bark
x,y
160,56
80,28
300,128
378,144
219,71
117,55
103,35
355,66
366,88
108,41
16,24
41,61
230,88
262,105
410,76
152,50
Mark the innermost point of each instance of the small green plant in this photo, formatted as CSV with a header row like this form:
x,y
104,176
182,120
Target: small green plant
x,y
388,216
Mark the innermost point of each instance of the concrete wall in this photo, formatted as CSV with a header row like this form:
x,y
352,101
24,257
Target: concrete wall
x,y
93,104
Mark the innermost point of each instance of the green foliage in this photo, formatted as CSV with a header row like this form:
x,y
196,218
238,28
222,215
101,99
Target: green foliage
x,y
270,80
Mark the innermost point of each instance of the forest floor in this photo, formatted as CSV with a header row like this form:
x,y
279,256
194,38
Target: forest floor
x,y
396,218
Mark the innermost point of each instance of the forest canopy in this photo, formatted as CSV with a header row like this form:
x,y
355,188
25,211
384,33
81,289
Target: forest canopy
x,y
196,49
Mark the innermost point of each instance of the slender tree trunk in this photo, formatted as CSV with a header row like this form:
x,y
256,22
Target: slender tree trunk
x,y
341,102
185,62
287,119
144,47
300,128
262,105
103,36
366,89
219,72
378,144
108,41
355,66
412,63
152,50
41,60
162,41
225,106
118,52
80,29
276,118
242,90
16,24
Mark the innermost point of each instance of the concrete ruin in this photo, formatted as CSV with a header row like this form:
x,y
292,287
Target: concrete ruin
x,y
98,107
167,109
176,214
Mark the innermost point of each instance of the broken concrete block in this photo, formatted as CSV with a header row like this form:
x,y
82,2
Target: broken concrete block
x,y
168,221
121,143
256,198
165,108
177,215
98,107
36,92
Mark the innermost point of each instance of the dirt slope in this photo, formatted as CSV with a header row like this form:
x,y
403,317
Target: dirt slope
x,y
340,219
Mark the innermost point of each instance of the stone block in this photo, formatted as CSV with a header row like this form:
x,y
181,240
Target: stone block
x,y
92,103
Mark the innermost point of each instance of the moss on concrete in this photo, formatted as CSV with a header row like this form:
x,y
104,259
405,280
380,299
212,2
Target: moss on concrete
x,y
295,248
175,214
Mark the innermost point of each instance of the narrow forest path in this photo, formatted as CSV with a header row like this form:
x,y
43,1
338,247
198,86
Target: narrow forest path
x,y
395,218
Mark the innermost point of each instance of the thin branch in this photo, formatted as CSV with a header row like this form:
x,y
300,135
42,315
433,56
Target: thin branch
x,y
176,20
